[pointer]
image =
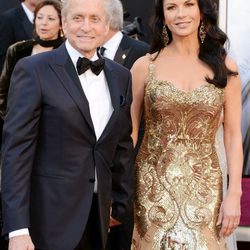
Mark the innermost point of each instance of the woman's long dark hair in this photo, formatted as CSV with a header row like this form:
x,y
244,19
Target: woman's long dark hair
x,y
212,51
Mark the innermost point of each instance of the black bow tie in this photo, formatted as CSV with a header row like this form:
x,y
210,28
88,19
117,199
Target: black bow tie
x,y
84,64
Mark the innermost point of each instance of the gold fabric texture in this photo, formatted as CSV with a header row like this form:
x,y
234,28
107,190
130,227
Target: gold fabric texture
x,y
178,176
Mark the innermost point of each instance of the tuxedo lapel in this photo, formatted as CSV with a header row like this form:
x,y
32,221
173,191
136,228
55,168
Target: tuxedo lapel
x,y
113,85
122,51
67,74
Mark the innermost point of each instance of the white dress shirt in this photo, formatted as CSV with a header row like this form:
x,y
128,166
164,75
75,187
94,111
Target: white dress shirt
x,y
111,46
28,13
96,90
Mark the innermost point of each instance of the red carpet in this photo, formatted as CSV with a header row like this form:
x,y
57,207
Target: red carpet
x,y
245,202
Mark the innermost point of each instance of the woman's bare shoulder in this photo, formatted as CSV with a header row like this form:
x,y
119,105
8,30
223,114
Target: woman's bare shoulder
x,y
231,64
140,70
142,63
234,82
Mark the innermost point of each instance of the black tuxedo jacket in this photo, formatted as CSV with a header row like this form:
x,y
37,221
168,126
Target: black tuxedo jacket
x,y
14,26
129,51
50,152
8,4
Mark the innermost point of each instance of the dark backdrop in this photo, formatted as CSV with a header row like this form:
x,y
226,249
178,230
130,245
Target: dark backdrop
x,y
141,8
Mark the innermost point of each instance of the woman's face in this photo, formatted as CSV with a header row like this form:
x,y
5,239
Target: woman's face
x,y
47,23
182,17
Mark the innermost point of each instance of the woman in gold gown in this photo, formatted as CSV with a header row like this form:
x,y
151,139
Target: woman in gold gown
x,y
183,87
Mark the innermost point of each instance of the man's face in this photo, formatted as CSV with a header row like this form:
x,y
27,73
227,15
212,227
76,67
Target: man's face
x,y
85,25
31,4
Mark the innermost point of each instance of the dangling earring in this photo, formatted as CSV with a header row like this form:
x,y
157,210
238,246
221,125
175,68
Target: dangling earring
x,y
165,36
61,33
202,32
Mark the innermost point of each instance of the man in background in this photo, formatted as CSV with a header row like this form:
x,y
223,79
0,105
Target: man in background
x,y
8,4
16,24
125,51
118,46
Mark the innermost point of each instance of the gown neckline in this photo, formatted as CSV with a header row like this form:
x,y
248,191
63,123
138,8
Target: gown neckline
x,y
182,90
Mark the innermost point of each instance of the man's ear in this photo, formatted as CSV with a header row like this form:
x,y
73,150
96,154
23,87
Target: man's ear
x,y
64,25
107,27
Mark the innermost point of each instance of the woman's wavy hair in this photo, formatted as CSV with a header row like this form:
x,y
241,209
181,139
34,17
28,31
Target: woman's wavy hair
x,y
212,51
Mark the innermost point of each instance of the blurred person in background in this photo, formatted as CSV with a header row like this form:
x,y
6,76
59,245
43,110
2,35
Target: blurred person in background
x,y
48,35
118,46
16,25
8,4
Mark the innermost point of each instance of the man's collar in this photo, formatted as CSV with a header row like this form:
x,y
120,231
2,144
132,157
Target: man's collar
x,y
74,54
28,12
114,41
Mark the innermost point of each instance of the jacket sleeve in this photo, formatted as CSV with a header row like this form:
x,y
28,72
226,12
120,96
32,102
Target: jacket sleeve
x,y
19,145
123,181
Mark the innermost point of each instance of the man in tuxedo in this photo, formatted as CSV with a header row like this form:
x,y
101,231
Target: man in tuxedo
x,y
16,25
8,4
67,152
118,46
125,51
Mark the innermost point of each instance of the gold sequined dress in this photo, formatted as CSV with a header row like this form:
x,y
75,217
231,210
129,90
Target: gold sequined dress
x,y
178,176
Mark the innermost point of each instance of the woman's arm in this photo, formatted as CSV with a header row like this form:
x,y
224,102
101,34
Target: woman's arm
x,y
139,73
230,210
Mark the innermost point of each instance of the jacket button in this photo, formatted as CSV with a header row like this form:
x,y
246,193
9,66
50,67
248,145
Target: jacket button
x,y
92,180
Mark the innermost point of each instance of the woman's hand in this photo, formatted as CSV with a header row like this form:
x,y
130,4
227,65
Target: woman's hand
x,y
229,216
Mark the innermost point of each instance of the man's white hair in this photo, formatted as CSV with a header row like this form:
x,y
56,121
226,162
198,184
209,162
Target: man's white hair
x,y
113,10
116,15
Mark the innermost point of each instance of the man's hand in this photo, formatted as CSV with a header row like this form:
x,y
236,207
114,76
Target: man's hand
x,y
113,222
22,242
